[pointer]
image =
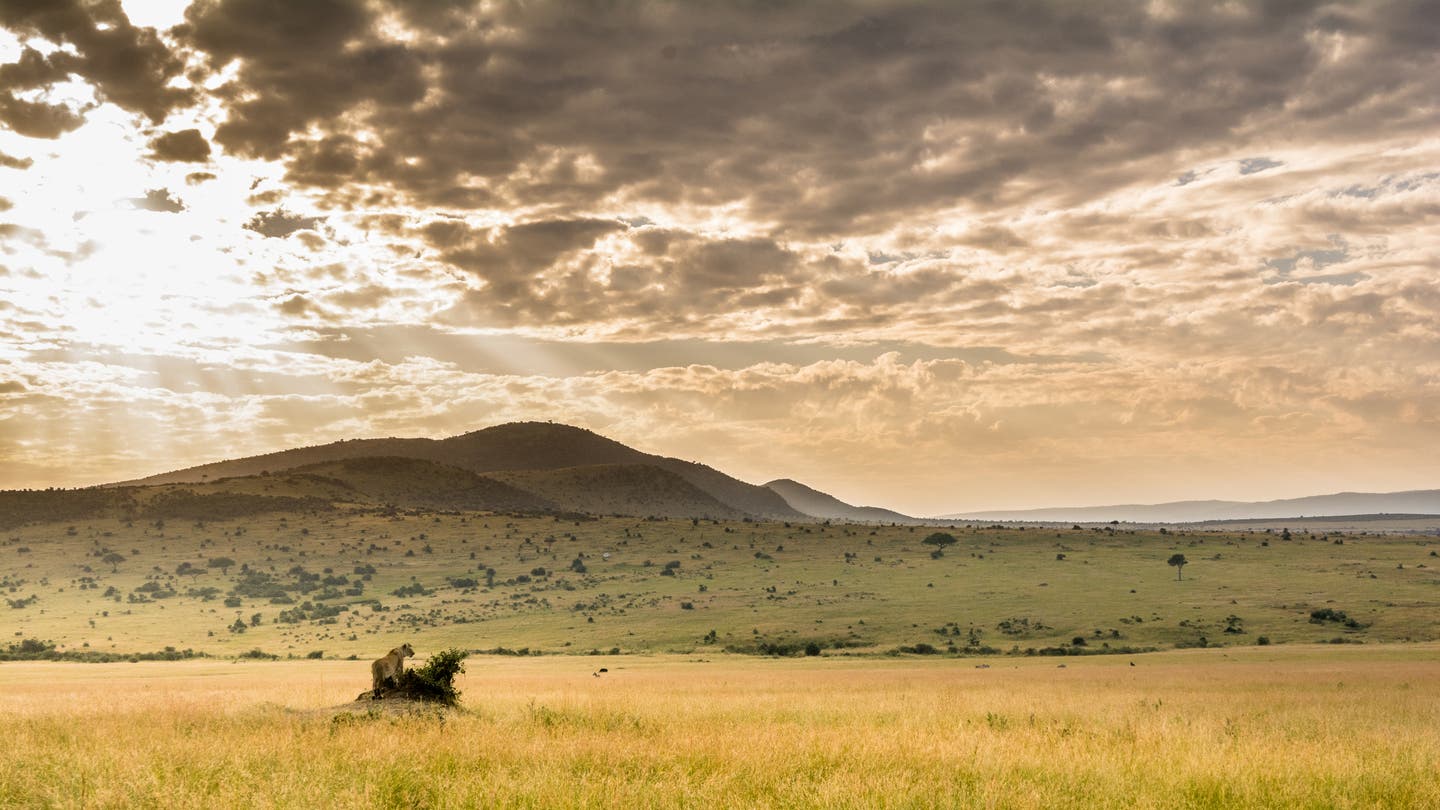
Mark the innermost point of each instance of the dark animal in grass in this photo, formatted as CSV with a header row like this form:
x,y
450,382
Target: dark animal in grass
x,y
386,671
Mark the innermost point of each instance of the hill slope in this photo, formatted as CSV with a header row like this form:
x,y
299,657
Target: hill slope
x,y
818,504
519,446
620,489
1424,501
416,483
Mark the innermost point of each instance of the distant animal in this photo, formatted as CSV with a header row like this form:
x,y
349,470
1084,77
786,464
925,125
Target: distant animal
x,y
597,672
386,671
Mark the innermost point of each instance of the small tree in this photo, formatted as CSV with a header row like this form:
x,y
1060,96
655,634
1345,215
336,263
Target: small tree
x,y
114,559
223,563
1179,561
940,539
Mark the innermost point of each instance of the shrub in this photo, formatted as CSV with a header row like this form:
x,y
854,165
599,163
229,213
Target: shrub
x,y
436,680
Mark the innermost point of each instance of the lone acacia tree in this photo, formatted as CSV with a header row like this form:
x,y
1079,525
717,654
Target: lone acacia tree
x,y
941,539
1179,561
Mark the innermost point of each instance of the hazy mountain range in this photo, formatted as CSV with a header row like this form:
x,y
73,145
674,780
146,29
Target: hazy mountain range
x,y
1414,502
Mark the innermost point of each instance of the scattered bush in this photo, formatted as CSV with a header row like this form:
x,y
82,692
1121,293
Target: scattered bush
x,y
1323,615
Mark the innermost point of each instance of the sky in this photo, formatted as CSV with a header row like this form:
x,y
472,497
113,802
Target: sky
x,y
937,257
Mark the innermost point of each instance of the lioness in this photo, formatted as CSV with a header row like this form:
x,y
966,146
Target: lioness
x,y
387,670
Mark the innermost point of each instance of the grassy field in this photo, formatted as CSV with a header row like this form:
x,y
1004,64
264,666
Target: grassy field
x,y
1296,726
339,584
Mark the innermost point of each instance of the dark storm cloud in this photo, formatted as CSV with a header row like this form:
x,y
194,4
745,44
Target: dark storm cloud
x,y
128,66
184,146
820,118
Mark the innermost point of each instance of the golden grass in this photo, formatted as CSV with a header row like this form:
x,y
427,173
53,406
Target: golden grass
x,y
1292,727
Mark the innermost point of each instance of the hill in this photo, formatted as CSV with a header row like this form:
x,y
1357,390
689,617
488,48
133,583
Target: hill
x,y
818,504
515,447
620,489
1422,502
416,483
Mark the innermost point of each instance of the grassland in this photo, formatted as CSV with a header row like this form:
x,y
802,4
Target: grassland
x,y
337,583
1295,727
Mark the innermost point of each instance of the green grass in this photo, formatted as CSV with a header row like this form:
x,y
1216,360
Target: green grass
x,y
1112,587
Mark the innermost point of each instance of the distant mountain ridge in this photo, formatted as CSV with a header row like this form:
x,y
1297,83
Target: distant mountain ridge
x,y
818,504
1412,502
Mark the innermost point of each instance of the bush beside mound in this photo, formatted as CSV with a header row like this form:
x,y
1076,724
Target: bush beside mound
x,y
432,683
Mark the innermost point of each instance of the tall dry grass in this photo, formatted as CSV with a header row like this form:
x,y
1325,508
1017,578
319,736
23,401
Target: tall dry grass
x,y
1265,728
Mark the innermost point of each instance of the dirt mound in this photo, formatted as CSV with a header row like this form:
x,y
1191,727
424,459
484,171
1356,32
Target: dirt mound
x,y
366,707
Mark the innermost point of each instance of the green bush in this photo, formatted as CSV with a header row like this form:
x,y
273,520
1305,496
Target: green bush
x,y
436,680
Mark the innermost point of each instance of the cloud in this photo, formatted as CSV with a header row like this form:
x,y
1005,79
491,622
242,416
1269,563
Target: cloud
x,y
9,162
280,223
159,200
821,121
1112,244
35,119
185,146
128,66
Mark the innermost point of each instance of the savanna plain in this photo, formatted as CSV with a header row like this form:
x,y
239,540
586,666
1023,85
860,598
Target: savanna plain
x,y
1280,727
744,664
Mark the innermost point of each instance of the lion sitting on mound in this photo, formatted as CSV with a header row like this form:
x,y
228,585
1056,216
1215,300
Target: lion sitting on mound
x,y
386,671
